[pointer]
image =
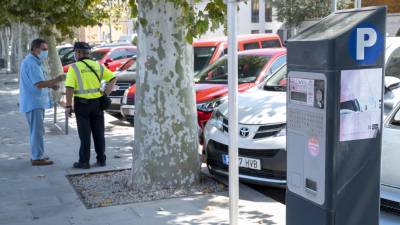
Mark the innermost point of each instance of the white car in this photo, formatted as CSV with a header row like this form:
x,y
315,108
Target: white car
x,y
262,134
262,122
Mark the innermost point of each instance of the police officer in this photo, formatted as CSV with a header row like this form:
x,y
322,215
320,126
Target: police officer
x,y
83,82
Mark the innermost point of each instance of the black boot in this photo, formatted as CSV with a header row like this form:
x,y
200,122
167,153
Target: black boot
x,y
80,165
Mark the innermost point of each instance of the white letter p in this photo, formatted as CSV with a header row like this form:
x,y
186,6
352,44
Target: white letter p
x,y
363,42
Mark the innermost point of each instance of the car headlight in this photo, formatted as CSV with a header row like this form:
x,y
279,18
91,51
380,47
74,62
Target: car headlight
x,y
210,105
282,132
125,98
217,120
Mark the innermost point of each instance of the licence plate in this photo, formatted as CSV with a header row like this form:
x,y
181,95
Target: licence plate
x,y
129,112
244,162
115,100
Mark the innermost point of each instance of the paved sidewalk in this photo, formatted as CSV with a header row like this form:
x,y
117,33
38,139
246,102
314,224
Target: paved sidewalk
x,y
43,195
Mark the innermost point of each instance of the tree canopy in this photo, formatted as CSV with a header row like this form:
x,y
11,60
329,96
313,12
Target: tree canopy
x,y
64,15
196,21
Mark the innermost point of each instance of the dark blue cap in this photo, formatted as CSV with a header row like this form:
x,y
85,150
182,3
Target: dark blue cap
x,y
81,46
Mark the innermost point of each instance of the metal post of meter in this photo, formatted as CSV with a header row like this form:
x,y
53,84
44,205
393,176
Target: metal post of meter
x,y
233,112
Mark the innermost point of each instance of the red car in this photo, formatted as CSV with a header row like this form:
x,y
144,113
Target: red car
x,y
207,51
211,83
111,57
253,67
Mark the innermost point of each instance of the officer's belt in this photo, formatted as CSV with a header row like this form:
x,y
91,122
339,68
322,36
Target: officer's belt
x,y
88,91
86,101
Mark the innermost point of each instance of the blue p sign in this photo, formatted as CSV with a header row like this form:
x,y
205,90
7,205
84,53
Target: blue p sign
x,y
366,44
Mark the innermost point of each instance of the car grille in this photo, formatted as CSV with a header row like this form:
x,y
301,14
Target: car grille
x,y
391,206
123,85
268,130
246,152
262,132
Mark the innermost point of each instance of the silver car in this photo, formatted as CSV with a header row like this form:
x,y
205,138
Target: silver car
x,y
390,179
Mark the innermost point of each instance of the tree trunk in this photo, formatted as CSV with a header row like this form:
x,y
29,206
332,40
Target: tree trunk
x,y
166,133
15,47
53,64
22,35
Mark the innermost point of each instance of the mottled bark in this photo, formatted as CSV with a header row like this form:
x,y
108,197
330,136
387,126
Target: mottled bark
x,y
21,37
166,140
53,64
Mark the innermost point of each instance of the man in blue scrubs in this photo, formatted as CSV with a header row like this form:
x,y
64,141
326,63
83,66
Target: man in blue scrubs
x,y
34,98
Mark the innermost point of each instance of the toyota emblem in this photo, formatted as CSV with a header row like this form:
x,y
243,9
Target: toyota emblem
x,y
244,132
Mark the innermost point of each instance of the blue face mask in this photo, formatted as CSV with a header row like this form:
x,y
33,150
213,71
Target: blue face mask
x,y
43,55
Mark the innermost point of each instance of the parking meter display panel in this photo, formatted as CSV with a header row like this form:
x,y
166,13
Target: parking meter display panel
x,y
306,130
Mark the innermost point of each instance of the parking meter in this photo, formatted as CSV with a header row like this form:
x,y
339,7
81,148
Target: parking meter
x,y
334,119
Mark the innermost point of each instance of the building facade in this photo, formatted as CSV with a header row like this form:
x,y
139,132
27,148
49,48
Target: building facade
x,y
254,16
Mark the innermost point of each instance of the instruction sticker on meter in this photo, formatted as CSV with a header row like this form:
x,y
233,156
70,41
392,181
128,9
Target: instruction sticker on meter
x,y
360,104
307,92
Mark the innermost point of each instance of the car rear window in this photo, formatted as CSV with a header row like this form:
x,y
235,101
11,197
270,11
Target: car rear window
x,y
271,44
202,57
249,69
253,45
97,55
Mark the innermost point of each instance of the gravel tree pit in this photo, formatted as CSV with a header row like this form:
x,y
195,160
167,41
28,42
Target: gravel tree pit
x,y
108,188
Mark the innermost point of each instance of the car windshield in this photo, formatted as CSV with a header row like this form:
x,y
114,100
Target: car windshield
x,y
132,67
277,81
249,69
97,55
129,65
202,57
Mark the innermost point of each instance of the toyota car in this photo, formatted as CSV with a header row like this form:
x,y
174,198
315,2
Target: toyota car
x,y
262,134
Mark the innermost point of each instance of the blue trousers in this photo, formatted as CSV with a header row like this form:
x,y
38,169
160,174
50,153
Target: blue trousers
x,y
35,120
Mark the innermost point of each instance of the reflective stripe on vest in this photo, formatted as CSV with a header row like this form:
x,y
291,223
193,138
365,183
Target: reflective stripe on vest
x,y
80,84
101,71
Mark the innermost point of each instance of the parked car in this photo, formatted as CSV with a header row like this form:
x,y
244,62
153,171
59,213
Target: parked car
x,y
128,104
64,49
126,76
390,178
265,153
253,67
262,134
207,51
111,57
211,83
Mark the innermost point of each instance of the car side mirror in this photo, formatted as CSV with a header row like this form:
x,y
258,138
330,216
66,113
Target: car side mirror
x,y
392,83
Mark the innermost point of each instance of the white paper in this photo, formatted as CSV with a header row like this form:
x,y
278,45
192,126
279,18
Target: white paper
x,y
360,104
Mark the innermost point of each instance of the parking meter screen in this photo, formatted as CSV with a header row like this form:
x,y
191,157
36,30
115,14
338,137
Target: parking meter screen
x,y
307,92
